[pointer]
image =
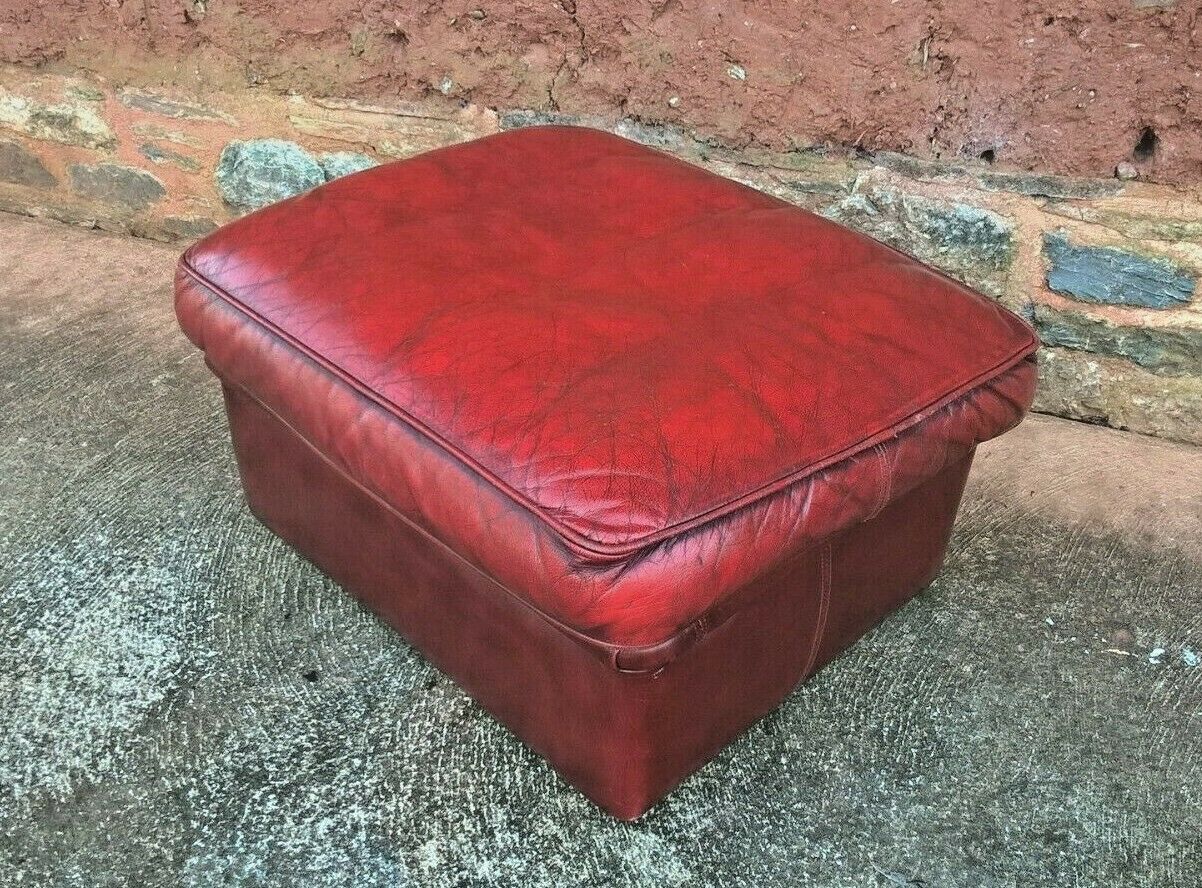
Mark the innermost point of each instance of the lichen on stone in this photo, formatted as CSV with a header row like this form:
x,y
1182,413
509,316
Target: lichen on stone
x,y
262,171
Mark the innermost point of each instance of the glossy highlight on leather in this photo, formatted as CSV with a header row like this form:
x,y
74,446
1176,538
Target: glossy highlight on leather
x,y
621,391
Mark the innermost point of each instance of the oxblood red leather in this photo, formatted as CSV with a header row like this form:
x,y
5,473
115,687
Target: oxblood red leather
x,y
628,399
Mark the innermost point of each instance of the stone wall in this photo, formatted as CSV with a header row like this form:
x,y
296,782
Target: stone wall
x,y
1106,268
1071,88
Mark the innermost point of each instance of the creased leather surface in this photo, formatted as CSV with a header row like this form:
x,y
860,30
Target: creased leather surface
x,y
618,384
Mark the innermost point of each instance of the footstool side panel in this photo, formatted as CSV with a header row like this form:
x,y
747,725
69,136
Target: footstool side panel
x,y
624,738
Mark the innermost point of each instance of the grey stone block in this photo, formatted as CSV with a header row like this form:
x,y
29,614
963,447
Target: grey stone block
x,y
1016,182
1172,351
156,154
71,123
256,173
520,118
186,228
1036,185
22,167
343,163
1115,392
1111,276
167,107
118,185
972,244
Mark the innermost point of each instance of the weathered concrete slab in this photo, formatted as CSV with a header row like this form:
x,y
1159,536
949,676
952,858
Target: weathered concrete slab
x,y
184,701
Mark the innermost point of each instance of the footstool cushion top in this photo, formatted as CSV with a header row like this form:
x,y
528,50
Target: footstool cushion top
x,y
622,343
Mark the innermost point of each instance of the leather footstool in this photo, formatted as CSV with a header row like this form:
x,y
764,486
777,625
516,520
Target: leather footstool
x,y
625,448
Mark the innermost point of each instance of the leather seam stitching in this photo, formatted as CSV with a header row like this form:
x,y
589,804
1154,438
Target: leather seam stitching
x,y
824,600
885,487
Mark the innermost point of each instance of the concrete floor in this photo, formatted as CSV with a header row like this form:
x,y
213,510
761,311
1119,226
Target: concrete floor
x,y
184,701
